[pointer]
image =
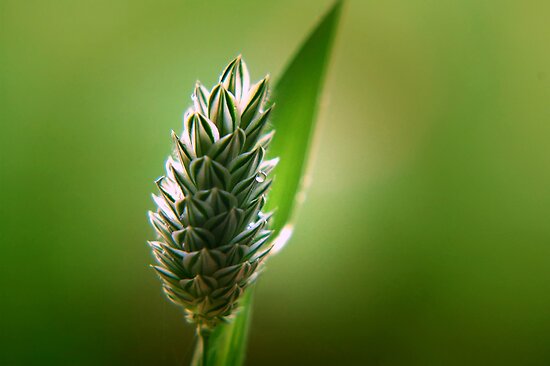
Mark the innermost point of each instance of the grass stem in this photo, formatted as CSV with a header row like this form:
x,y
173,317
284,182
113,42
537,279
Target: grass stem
x,y
203,342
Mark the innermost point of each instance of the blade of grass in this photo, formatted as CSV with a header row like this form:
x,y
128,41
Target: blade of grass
x,y
297,94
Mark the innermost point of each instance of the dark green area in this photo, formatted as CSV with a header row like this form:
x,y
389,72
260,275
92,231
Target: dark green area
x,y
424,239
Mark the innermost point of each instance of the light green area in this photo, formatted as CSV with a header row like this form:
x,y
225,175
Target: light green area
x,y
424,239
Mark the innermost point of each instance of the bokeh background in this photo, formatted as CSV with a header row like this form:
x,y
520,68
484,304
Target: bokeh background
x,y
425,237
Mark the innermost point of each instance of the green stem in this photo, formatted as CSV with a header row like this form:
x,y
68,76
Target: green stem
x,y
200,358
205,336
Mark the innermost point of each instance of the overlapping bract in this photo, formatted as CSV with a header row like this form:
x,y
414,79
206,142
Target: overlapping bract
x,y
212,234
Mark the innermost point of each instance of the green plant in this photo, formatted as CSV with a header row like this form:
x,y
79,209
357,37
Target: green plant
x,y
218,170
212,235
209,222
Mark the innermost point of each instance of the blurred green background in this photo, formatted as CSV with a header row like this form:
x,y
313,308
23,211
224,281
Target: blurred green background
x,y
425,237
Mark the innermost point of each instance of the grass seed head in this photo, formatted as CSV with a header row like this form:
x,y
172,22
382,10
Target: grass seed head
x,y
212,233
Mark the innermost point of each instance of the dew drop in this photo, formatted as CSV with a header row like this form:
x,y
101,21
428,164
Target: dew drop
x,y
261,177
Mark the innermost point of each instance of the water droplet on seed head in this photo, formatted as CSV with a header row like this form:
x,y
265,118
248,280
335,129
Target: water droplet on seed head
x,y
261,177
